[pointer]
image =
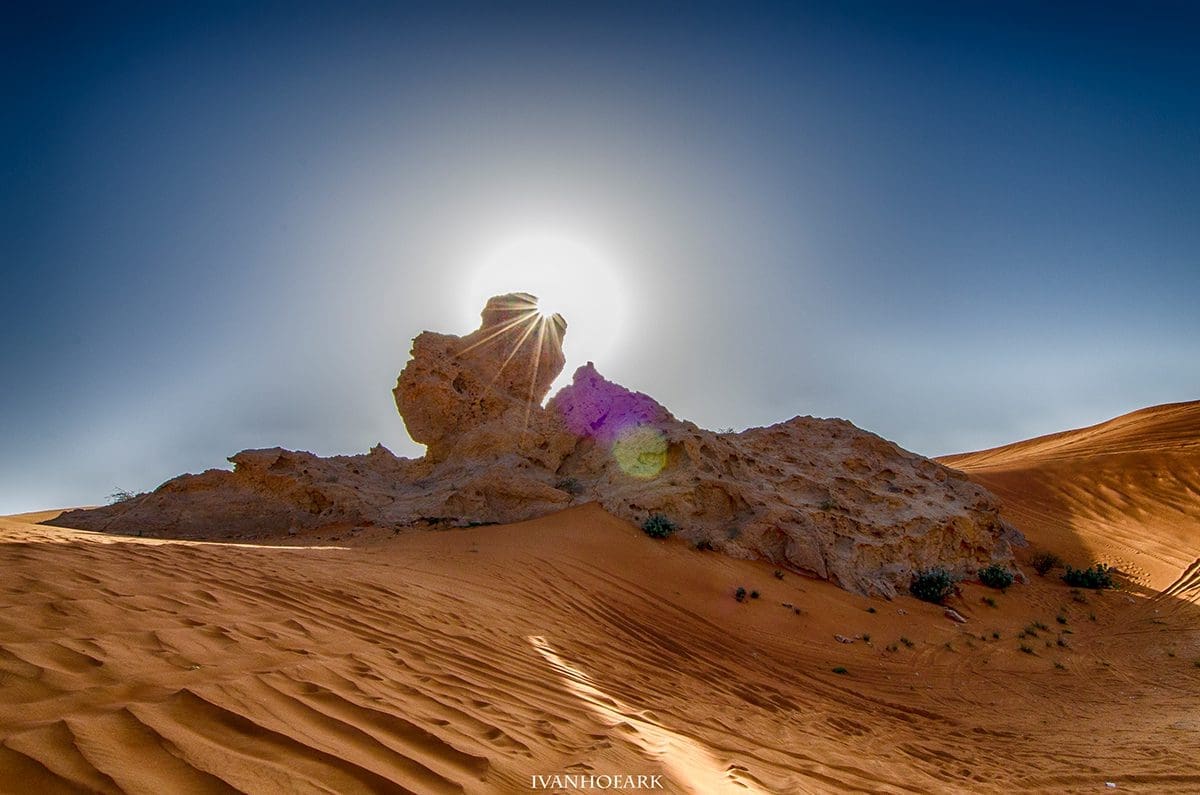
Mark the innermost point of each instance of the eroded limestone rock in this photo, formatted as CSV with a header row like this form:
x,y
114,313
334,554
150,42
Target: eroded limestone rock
x,y
814,495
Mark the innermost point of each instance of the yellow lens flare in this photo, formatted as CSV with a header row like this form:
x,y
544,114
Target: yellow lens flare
x,y
640,451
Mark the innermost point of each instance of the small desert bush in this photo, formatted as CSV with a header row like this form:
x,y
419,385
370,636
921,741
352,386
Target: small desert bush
x,y
703,545
1060,618
658,526
120,495
908,643
894,647
740,594
871,609
996,576
989,601
1043,562
840,670
1097,577
1026,649
778,574
754,594
932,585
866,637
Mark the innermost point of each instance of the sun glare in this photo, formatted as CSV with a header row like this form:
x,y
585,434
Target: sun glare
x,y
569,278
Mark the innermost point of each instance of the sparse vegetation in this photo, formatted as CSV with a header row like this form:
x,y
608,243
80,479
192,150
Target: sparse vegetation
x,y
995,636
828,504
1043,561
866,637
1091,616
1077,596
778,574
840,670
658,526
740,594
1096,577
1059,666
908,643
1039,625
1060,618
120,495
894,647
996,576
754,594
571,486
1026,649
932,585
989,601
1062,642
703,545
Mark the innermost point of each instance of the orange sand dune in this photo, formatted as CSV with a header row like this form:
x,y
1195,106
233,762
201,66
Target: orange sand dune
x,y
471,660
1126,491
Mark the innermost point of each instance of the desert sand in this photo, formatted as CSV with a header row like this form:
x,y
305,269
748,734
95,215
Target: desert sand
x,y
1126,491
367,624
471,659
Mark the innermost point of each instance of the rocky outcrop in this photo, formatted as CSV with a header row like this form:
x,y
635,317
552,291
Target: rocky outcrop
x,y
813,495
456,386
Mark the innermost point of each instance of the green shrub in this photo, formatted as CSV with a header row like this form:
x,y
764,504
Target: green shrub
x,y
840,670
658,526
740,594
1026,649
754,594
908,643
1060,618
1097,577
120,495
996,576
932,585
871,609
1043,562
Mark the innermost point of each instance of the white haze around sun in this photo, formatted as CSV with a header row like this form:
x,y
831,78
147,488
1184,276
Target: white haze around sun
x,y
569,277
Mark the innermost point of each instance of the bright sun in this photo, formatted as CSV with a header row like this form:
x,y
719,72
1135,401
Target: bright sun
x,y
568,277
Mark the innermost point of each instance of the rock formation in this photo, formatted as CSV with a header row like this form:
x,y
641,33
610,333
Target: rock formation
x,y
813,495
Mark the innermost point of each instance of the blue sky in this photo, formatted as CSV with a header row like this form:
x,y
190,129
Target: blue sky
x,y
956,226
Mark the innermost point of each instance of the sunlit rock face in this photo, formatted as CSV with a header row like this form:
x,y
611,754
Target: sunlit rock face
x,y
813,495
454,385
